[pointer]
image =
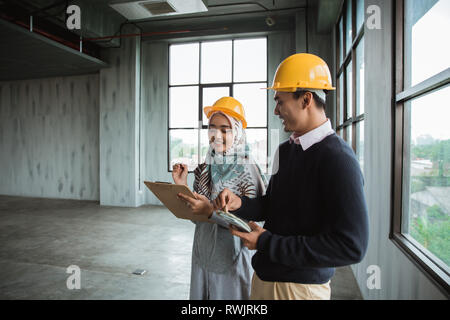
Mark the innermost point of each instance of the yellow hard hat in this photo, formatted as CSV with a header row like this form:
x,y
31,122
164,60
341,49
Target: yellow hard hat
x,y
228,105
302,70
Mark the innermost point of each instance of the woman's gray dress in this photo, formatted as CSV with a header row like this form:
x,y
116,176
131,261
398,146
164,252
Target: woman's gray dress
x,y
221,265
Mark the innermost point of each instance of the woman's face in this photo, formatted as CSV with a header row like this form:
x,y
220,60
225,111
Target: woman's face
x,y
220,133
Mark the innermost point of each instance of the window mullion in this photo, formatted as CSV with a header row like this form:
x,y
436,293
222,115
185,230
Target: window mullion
x,y
354,67
200,103
232,62
439,80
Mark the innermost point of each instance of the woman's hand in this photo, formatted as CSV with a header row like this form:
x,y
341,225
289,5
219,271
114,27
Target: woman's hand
x,y
180,173
200,205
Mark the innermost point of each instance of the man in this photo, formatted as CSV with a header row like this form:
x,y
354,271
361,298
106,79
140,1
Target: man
x,y
314,208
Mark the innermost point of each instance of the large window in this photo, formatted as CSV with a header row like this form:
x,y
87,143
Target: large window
x,y
202,72
350,76
421,224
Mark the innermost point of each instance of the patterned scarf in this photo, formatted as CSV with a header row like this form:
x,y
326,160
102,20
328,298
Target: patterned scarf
x,y
234,169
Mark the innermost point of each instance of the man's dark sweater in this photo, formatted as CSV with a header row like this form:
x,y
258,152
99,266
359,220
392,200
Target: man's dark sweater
x,y
314,211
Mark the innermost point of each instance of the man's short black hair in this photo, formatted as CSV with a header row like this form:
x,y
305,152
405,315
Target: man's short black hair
x,y
319,102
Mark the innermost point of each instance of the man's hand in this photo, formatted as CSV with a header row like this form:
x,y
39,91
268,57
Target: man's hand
x,y
227,198
250,239
200,205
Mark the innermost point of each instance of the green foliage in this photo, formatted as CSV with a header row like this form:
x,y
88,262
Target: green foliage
x,y
178,149
204,150
175,142
417,184
433,232
435,212
437,152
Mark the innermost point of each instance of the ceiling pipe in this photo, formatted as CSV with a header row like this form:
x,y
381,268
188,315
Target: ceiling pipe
x,y
135,35
144,34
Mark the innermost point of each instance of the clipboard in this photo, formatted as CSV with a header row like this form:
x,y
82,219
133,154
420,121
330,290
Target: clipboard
x,y
167,193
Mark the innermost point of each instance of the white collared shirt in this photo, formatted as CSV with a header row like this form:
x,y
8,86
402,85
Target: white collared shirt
x,y
312,137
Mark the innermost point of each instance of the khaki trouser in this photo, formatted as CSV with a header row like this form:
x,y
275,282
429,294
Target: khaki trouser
x,y
266,290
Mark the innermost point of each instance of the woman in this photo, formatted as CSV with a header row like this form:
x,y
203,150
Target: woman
x,y
221,265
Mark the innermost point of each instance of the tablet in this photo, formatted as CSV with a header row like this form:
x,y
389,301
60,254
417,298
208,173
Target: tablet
x,y
235,221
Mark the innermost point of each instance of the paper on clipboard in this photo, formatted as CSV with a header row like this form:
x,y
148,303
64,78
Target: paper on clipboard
x,y
167,194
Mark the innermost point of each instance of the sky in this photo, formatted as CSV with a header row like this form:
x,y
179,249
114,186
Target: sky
x,y
431,55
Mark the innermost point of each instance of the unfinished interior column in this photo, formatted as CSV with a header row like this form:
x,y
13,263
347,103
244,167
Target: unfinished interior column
x,y
119,123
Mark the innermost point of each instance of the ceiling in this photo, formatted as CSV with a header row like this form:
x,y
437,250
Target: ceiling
x,y
27,55
99,20
227,17
232,7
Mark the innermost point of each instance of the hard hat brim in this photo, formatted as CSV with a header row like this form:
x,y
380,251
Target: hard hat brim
x,y
294,89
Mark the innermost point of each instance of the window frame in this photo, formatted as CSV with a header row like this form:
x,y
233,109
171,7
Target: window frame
x,y
428,263
211,85
350,57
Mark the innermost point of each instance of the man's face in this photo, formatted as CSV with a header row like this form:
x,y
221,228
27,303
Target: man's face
x,y
290,111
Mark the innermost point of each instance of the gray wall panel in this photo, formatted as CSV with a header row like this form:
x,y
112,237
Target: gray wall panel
x,y
279,47
154,108
321,44
119,125
49,137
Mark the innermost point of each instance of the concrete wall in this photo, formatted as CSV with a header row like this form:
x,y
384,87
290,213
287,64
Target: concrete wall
x,y
279,47
321,44
400,277
49,137
75,137
119,125
309,39
154,99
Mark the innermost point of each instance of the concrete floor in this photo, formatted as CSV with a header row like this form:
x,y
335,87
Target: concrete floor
x,y
40,238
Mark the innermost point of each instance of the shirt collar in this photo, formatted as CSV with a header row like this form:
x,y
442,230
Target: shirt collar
x,y
312,137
